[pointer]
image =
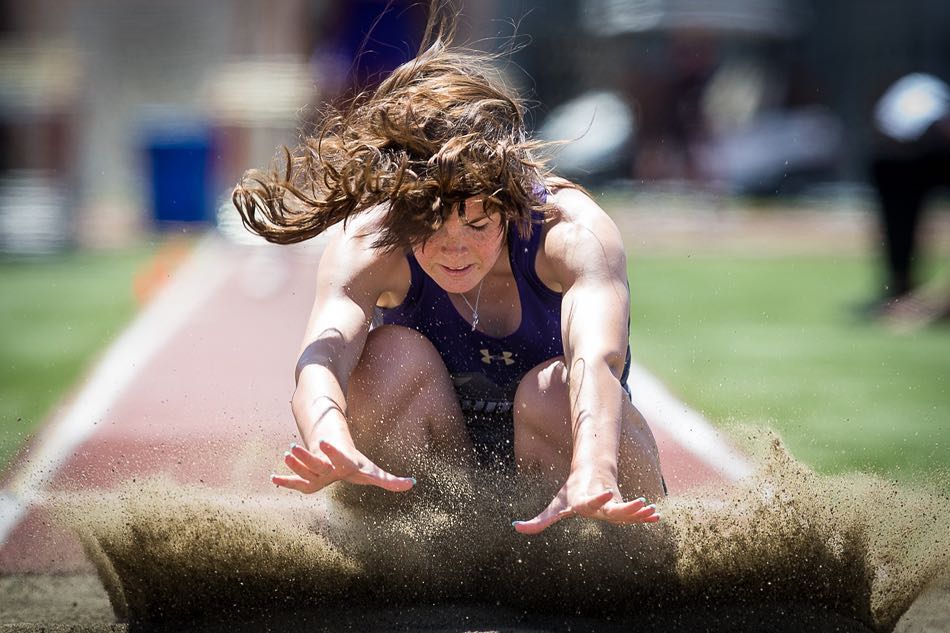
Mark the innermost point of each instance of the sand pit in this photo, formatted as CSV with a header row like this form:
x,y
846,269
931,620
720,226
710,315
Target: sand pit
x,y
784,550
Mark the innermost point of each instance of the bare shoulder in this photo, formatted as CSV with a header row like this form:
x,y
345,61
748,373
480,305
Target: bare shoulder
x,y
580,238
352,265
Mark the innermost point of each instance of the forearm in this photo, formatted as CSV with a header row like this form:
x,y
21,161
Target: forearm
x,y
596,413
319,405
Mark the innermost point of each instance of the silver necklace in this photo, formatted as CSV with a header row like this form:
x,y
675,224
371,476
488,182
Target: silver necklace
x,y
474,308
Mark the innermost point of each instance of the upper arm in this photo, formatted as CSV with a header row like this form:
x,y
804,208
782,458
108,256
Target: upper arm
x,y
351,278
585,253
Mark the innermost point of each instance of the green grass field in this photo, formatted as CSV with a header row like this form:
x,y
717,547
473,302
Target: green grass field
x,y
56,314
773,342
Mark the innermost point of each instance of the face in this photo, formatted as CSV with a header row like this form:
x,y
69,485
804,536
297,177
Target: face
x,y
461,252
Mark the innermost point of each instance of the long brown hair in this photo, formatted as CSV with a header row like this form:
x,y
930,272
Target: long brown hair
x,y
442,127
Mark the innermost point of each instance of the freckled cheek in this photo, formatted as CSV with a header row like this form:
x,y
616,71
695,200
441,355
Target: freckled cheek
x,y
492,244
486,239
425,256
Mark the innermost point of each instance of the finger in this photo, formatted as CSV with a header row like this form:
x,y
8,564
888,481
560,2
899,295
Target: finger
x,y
618,510
379,477
647,515
592,505
317,464
340,460
369,474
298,466
294,483
630,514
555,511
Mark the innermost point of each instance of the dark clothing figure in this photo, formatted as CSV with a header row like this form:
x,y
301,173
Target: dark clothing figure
x,y
913,118
904,185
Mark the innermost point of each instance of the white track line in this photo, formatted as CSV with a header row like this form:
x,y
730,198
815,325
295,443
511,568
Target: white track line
x,y
686,426
194,282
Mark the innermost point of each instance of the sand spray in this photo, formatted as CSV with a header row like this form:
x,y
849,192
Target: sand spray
x,y
856,545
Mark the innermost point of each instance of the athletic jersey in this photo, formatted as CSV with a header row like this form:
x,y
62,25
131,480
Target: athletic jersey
x,y
486,369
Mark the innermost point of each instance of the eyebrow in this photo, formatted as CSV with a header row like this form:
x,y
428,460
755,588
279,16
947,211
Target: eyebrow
x,y
487,216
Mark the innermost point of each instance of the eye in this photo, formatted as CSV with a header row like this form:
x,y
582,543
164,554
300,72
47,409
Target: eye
x,y
478,227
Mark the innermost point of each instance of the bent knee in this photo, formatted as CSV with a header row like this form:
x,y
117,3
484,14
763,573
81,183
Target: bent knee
x,y
541,398
394,348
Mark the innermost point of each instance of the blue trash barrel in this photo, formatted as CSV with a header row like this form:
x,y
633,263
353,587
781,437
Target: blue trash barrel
x,y
180,173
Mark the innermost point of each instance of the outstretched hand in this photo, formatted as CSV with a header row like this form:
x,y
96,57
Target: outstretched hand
x,y
326,463
574,499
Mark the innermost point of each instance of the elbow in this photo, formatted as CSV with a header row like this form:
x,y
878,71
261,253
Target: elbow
x,y
324,351
302,363
315,379
598,362
312,357
615,364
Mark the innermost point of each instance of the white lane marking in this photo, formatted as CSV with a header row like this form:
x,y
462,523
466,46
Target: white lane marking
x,y
188,289
686,426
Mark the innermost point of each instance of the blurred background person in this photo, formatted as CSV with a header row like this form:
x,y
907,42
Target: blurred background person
x,y
912,162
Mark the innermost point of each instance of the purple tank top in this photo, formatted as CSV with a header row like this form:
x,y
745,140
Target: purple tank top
x,y
486,370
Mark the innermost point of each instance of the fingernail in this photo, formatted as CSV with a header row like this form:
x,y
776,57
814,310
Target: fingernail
x,y
514,523
413,480
641,499
652,506
286,453
293,445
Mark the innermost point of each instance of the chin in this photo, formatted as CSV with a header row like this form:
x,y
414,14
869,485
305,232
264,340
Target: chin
x,y
457,286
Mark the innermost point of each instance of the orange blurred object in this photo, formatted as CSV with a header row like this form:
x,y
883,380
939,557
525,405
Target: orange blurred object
x,y
153,275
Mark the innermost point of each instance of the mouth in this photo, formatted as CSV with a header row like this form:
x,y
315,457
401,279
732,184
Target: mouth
x,y
457,271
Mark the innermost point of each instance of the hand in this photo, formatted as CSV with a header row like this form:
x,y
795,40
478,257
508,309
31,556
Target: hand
x,y
578,499
315,470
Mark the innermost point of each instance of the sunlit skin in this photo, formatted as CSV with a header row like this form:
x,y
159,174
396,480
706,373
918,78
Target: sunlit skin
x,y
573,423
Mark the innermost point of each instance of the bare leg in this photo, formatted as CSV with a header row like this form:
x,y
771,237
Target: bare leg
x,y
543,440
401,402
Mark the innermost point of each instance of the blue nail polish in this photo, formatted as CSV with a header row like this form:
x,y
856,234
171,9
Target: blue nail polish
x,y
413,480
293,445
514,523
286,453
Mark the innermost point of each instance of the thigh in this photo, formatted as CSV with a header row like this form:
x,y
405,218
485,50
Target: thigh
x,y
544,443
401,402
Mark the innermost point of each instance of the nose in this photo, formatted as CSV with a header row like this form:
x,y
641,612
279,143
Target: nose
x,y
450,241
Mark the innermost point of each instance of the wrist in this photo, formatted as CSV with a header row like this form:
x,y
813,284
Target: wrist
x,y
594,452
323,420
603,469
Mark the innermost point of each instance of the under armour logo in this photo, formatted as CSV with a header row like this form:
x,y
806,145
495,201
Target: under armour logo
x,y
504,357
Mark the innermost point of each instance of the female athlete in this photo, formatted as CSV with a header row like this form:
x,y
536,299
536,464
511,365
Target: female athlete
x,y
473,307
